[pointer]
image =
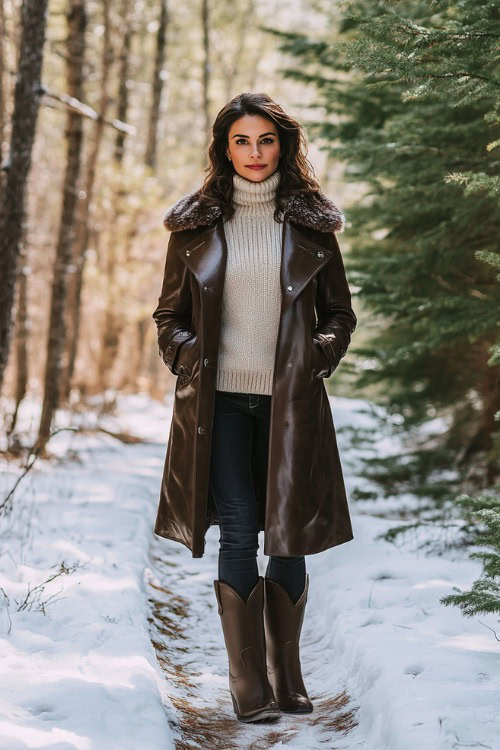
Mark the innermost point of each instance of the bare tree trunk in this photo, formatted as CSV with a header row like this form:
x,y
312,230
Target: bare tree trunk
x,y
126,35
82,222
231,61
76,21
113,323
3,92
132,374
154,113
206,70
325,172
111,340
481,426
26,105
21,338
490,393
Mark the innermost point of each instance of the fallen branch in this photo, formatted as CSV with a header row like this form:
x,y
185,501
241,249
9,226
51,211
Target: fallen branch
x,y
33,595
85,111
123,437
33,451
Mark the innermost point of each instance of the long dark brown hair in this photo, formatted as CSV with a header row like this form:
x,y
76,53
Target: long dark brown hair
x,y
297,173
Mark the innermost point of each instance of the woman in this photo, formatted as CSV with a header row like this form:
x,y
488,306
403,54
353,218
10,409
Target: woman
x,y
255,310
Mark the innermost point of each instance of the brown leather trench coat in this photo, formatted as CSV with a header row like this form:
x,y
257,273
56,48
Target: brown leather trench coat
x,y
302,503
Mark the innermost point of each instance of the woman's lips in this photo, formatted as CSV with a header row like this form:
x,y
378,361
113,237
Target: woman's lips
x,y
255,166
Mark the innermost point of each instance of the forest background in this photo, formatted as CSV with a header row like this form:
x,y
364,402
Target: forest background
x,y
105,113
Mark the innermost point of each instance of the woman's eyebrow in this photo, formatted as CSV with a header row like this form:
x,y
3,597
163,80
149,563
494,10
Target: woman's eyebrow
x,y
240,135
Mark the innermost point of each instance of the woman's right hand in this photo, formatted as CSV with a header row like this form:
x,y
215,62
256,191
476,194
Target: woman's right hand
x,y
186,356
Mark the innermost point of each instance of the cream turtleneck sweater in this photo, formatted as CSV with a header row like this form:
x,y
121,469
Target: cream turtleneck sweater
x,y
252,293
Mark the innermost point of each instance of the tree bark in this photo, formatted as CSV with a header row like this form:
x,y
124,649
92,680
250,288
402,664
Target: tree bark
x,y
21,339
76,22
75,285
205,21
122,109
12,207
112,324
482,422
3,93
154,113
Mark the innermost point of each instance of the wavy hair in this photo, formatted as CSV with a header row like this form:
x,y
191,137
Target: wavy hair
x,y
297,173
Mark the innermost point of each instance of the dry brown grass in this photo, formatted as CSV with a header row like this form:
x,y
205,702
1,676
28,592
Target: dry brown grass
x,y
329,716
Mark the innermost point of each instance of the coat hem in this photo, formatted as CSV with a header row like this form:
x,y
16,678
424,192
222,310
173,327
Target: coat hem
x,y
164,535
287,553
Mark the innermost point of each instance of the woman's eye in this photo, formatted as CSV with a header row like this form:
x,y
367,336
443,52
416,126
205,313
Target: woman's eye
x,y
239,140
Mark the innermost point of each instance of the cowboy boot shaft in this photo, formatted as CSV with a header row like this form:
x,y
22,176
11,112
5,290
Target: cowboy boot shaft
x,y
242,623
243,630
283,625
284,629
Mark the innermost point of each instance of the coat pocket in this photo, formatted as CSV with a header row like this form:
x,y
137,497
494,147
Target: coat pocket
x,y
186,356
321,365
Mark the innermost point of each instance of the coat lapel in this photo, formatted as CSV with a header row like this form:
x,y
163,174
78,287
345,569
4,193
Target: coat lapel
x,y
301,259
206,255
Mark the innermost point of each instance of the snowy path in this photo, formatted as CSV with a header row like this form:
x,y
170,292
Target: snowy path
x,y
381,657
190,647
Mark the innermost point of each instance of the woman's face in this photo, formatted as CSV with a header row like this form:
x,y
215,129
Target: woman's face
x,y
253,140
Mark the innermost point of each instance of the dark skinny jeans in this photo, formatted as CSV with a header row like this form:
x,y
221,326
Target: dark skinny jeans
x,y
239,419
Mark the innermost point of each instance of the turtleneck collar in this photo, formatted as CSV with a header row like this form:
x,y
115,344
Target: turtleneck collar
x,y
259,196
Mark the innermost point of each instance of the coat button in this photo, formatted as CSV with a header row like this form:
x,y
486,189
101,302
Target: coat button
x,y
321,254
201,430
289,288
205,362
289,364
205,288
188,252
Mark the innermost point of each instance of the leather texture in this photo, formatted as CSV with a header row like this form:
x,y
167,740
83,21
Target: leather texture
x,y
302,502
243,628
283,624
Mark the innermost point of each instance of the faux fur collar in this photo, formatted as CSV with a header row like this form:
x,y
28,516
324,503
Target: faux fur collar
x,y
313,210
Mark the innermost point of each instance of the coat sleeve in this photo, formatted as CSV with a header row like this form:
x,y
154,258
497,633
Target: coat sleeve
x,y
173,312
336,319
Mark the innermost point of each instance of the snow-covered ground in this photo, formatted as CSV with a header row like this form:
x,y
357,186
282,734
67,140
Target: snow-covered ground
x,y
123,649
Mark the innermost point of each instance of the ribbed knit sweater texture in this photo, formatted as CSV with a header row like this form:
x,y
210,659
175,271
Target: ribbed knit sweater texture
x,y
251,301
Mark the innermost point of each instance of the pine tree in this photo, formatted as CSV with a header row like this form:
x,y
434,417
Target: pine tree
x,y
484,596
411,92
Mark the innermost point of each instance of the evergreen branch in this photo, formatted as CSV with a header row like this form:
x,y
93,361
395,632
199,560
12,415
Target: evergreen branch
x,y
463,74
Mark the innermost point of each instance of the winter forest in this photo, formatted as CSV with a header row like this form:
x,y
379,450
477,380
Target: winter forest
x,y
109,634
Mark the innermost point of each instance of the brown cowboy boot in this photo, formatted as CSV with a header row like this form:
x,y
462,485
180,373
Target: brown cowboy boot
x,y
243,628
283,623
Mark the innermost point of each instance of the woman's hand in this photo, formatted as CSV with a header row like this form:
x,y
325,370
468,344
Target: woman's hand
x,y
321,363
186,355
